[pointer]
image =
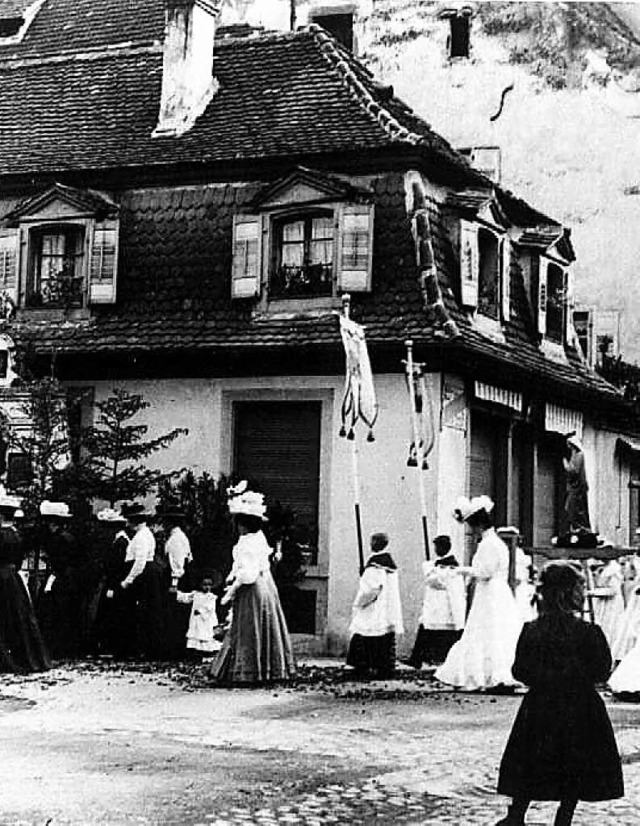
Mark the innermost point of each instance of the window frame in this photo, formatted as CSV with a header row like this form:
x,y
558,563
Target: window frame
x,y
33,281
277,223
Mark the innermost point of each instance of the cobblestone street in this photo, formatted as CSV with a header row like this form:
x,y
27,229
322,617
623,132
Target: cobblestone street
x,y
99,743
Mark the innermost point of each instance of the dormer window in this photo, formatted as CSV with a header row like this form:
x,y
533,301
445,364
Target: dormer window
x,y
56,268
488,274
556,303
338,22
309,239
303,256
59,250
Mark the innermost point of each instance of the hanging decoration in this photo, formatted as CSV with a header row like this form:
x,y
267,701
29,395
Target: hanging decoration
x,y
359,399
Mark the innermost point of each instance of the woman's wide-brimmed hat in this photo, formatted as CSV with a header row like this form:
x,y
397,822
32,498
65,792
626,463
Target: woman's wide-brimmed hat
x,y
135,511
466,507
54,510
110,515
247,502
574,441
170,512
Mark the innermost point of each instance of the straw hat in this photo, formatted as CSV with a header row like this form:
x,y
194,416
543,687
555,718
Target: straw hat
x,y
110,515
466,507
55,510
246,502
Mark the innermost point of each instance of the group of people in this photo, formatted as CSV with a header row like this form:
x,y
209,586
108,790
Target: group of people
x,y
562,746
128,597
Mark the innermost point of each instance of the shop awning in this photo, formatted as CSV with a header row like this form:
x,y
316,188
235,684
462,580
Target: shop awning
x,y
563,420
498,395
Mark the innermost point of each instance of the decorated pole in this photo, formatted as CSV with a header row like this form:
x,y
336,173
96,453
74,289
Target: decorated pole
x,y
419,446
359,402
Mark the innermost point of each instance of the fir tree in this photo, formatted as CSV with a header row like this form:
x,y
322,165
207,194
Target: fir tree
x,y
111,451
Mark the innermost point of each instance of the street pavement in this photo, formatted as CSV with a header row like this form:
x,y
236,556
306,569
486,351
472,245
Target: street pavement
x,y
103,743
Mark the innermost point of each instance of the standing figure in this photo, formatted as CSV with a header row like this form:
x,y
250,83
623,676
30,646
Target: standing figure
x,y
139,590
562,745
22,648
257,647
525,592
576,504
112,625
61,602
178,552
204,618
443,608
608,599
376,617
483,656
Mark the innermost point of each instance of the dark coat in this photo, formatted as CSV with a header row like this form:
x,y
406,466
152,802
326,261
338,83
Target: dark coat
x,y
562,744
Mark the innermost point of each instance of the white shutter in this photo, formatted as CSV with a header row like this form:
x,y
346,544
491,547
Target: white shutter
x,y
103,264
246,265
9,246
506,278
542,295
469,263
355,256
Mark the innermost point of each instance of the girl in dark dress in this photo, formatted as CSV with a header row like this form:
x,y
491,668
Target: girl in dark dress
x,y
562,745
21,647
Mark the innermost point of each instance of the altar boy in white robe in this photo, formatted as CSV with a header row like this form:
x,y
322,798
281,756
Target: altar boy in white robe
x,y
443,609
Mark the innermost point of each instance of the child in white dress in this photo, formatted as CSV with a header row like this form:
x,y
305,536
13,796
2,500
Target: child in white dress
x,y
204,617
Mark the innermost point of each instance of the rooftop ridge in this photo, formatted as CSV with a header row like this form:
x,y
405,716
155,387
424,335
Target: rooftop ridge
x,y
390,124
124,49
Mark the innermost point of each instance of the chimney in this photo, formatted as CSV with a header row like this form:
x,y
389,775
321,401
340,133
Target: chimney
x,y
188,84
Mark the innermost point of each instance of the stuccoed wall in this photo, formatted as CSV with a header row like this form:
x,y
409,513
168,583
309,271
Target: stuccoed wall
x,y
388,488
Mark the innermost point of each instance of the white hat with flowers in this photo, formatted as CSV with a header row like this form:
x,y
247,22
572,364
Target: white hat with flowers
x,y
247,502
466,507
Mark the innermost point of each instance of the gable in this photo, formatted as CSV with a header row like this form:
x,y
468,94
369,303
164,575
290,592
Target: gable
x,y
306,186
60,202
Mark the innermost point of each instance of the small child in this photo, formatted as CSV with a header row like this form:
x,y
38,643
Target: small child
x,y
204,618
377,615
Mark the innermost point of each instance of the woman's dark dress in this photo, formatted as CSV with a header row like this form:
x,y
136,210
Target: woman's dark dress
x,y
22,649
562,744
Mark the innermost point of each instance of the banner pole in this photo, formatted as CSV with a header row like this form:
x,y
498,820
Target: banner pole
x,y
419,446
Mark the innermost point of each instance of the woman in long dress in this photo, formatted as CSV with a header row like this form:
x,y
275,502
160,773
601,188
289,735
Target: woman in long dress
x,y
609,602
628,629
483,656
257,648
22,649
562,745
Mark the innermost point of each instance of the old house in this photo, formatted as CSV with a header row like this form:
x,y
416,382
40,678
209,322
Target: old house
x,y
183,208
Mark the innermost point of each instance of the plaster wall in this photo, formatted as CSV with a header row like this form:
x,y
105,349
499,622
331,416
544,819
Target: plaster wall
x,y
389,492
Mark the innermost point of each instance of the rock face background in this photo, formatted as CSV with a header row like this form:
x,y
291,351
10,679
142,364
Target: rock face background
x,y
569,129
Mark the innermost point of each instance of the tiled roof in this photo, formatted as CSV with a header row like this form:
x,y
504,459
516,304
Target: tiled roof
x,y
83,89
173,293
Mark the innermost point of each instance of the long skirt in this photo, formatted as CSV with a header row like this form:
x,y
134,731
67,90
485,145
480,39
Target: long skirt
x,y
257,647
22,649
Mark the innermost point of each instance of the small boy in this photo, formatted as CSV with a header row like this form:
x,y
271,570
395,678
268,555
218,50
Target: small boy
x,y
443,609
377,615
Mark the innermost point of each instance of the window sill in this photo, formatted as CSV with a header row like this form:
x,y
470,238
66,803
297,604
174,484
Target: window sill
x,y
286,309
553,351
54,313
488,327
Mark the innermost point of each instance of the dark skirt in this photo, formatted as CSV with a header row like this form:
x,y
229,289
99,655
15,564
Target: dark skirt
x,y
60,614
257,647
561,747
22,649
152,611
432,646
373,654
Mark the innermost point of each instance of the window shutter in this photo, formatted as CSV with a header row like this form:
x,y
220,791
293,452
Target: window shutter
x,y
246,266
9,245
103,263
469,263
506,278
542,296
355,260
